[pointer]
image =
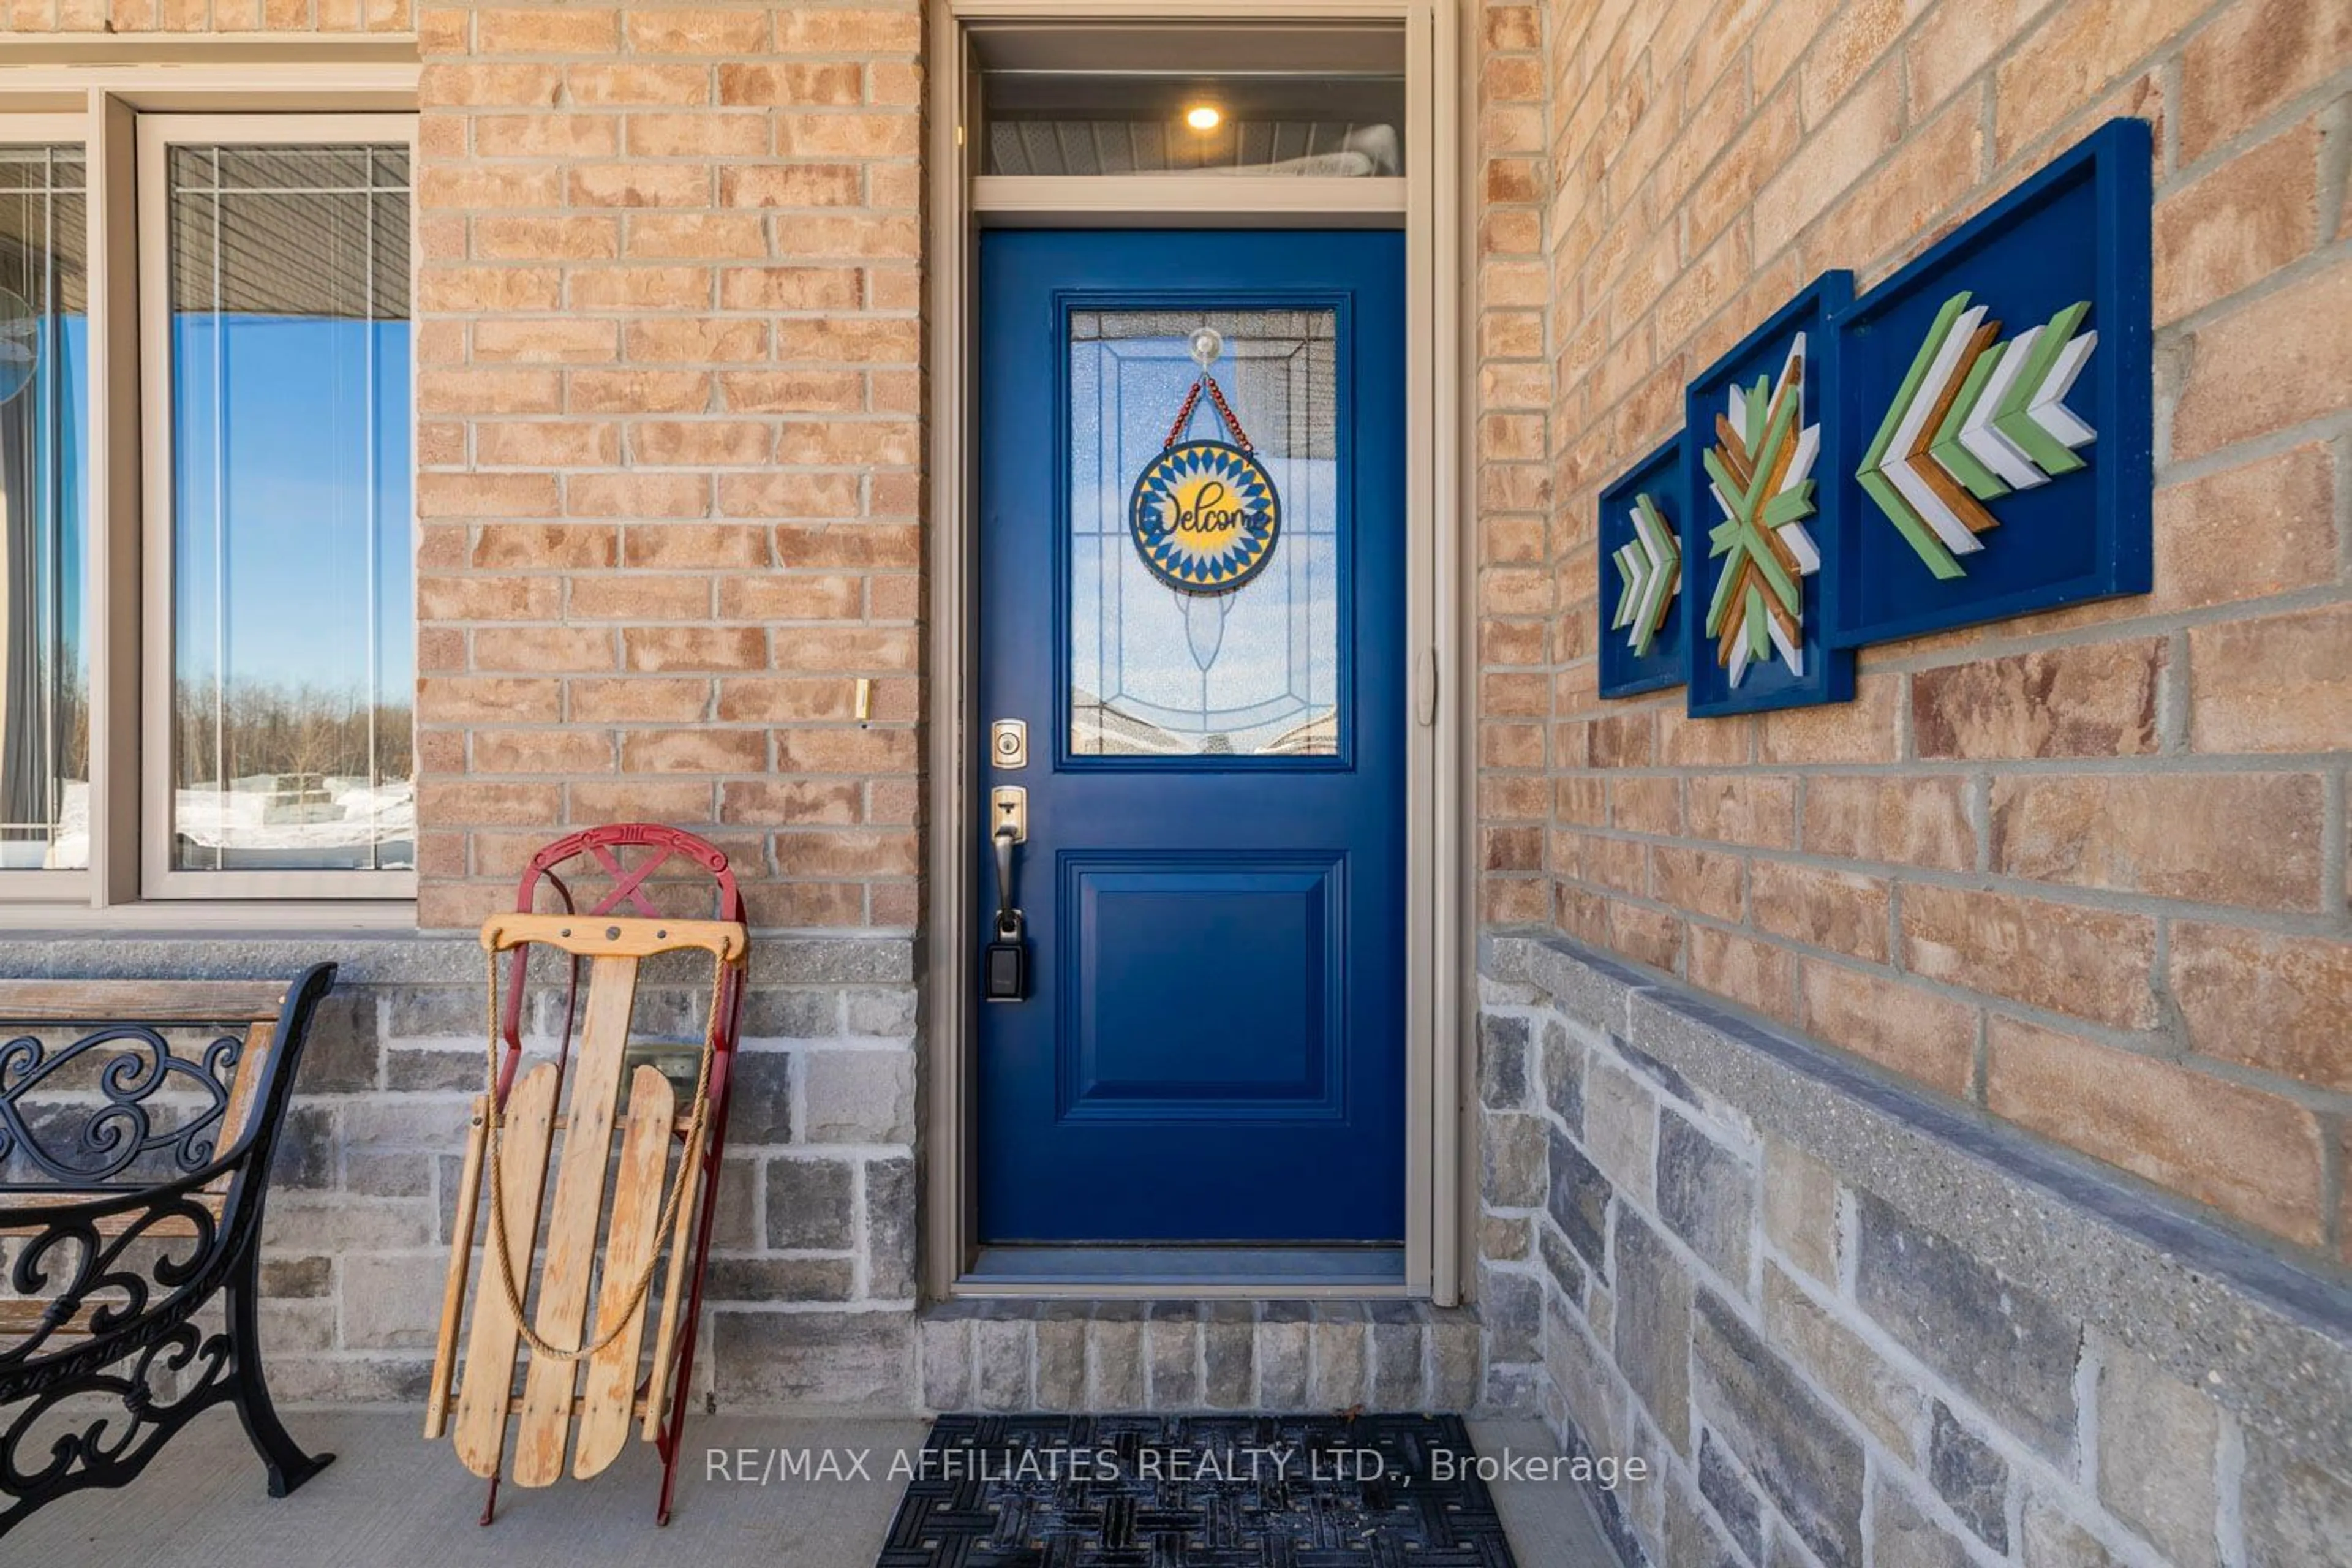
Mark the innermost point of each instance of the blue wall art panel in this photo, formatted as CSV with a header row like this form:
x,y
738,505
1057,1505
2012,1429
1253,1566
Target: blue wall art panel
x,y
1996,404
1762,446
1645,618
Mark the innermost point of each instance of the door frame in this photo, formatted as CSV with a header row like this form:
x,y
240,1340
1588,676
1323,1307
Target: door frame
x,y
1429,207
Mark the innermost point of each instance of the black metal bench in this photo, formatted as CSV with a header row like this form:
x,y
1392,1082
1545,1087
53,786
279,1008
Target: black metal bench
x,y
138,1120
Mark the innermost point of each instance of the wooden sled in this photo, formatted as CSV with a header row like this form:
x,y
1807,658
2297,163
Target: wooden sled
x,y
587,1378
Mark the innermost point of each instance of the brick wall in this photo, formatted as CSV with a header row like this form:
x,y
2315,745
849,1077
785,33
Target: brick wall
x,y
668,401
2087,868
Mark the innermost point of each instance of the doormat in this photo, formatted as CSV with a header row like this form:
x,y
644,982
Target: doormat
x,y
1196,1492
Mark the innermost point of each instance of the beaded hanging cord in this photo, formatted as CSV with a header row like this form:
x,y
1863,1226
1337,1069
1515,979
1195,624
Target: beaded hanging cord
x,y
498,1243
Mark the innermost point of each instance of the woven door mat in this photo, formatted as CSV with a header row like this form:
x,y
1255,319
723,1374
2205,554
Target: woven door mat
x,y
1196,1492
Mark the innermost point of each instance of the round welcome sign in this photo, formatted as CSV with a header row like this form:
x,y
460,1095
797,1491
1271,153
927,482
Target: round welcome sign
x,y
1205,515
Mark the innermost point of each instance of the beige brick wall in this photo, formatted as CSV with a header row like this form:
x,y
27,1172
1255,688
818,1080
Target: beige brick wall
x,y
2086,869
669,394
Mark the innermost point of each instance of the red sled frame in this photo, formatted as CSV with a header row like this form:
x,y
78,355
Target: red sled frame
x,y
628,886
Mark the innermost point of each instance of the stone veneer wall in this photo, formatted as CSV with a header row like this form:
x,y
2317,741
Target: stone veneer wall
x,y
1851,1326
2087,868
810,1294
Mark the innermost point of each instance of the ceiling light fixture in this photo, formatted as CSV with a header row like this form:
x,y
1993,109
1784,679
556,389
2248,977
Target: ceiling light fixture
x,y
1203,117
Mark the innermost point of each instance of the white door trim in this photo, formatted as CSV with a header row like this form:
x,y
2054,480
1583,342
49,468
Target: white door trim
x,y
1430,214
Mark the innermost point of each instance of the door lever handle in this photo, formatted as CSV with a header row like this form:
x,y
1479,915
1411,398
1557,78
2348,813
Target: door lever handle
x,y
1008,913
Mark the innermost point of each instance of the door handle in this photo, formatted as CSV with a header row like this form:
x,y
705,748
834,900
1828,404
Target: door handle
x,y
1008,912
1005,967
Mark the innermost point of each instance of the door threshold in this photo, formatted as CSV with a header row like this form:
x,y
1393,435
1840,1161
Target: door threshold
x,y
1148,1271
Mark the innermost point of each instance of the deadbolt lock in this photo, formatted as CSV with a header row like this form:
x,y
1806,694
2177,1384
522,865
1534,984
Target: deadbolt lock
x,y
1008,744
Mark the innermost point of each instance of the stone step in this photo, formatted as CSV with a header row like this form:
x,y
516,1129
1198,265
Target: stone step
x,y
1279,1357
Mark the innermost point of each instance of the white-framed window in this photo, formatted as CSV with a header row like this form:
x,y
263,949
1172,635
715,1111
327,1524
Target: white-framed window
x,y
206,520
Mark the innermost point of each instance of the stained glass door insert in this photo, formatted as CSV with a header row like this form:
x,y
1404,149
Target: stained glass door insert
x,y
1156,671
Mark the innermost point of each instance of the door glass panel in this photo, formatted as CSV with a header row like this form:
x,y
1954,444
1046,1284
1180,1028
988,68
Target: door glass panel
x,y
44,402
293,658
1157,670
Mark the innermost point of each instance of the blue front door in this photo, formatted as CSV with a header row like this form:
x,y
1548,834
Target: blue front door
x,y
1191,593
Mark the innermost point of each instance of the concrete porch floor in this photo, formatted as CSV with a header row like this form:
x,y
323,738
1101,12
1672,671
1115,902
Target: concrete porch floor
x,y
392,1499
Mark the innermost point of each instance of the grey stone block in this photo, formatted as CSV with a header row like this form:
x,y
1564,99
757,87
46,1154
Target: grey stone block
x,y
419,1071
2001,1345
1903,1536
1733,1500
339,1055
436,1013
2053,1539
760,1102
1062,1357
1800,1208
1971,1477
1003,1350
1794,1446
1512,1157
387,1175
1653,1329
2296,1510
1560,1263
861,1361
887,1011
945,1345
1172,1344
1578,1199
1504,1238
791,1015
1396,1357
1511,1306
1339,1342
1707,1196
297,1278
816,961
809,1206
1503,1061
1621,1128
1857,1377
858,1096
1115,1371
392,1300
890,1229
1563,1075
305,1156
1229,1356
2157,1443
1457,1360
762,1281
734,1224
1282,1365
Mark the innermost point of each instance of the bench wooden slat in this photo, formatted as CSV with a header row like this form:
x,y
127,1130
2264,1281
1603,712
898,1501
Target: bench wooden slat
x,y
141,1001
169,1227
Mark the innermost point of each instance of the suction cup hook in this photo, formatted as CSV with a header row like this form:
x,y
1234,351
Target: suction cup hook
x,y
1208,347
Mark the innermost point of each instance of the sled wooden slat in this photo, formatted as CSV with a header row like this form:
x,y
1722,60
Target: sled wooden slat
x,y
629,1248
574,1222
453,1293
490,1353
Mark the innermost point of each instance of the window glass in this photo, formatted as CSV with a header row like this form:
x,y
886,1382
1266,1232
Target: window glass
x,y
1168,670
1342,123
43,410
292,641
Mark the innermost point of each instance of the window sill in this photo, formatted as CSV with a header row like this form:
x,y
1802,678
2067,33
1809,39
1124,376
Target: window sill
x,y
195,918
